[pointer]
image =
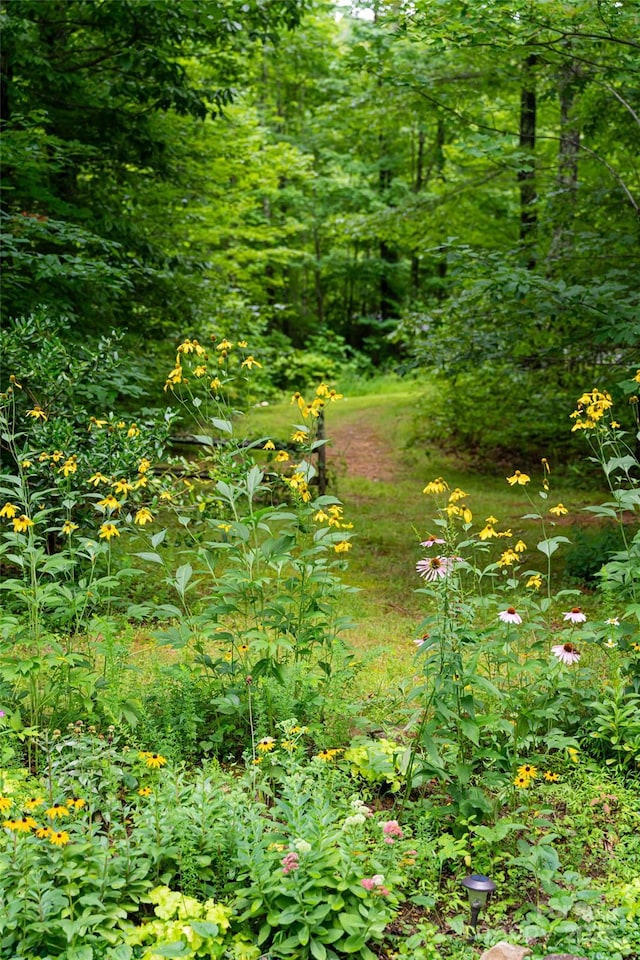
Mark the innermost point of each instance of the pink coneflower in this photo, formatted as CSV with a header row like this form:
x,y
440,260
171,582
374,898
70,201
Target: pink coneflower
x,y
430,541
575,615
510,616
434,568
566,652
391,828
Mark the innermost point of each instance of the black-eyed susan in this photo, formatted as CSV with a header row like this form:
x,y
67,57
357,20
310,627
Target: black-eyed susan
x,y
5,804
33,803
551,777
328,755
522,783
266,744
58,838
43,832
58,811
528,770
155,760
145,792
24,825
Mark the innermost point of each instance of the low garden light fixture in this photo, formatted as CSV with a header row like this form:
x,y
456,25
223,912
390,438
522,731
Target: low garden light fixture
x,y
479,889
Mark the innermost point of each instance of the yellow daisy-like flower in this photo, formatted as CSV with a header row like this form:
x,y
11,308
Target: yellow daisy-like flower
x,y
507,558
59,838
528,770
591,407
266,744
9,511
174,377
333,395
69,466
487,532
522,782
144,465
122,486
43,832
44,456
518,478
551,777
300,436
328,755
456,495
98,478
133,431
109,502
224,345
107,531
200,371
24,825
5,804
57,456
57,811
436,486
37,413
145,792
559,511
155,760
33,803
143,516
25,464
94,422
250,362
191,346
68,527
21,524
269,445
215,384
141,482
321,516
281,456
343,546
535,581
520,546
76,803
166,495
573,754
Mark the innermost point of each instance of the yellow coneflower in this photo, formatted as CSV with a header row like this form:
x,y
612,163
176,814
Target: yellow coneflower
x,y
155,760
59,838
57,811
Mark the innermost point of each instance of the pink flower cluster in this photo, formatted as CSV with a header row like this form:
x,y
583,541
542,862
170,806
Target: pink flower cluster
x,y
375,883
391,829
290,862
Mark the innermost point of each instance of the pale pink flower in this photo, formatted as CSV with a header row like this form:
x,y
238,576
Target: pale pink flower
x,y
391,828
566,653
510,616
434,568
367,883
575,615
430,541
290,862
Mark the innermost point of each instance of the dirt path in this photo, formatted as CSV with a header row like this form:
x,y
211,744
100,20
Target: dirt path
x,y
357,448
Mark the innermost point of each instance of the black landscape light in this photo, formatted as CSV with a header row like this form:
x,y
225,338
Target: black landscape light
x,y
479,889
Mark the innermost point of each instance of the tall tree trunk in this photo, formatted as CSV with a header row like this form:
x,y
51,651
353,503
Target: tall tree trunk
x,y
567,176
527,173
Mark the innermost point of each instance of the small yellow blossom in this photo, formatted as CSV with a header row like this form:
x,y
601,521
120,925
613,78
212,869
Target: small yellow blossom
x,y
76,803
9,511
109,503
243,344
44,456
145,792
215,384
269,445
166,495
535,581
224,345
250,362
155,760
57,456
558,511
487,532
436,486
300,436
122,486
328,755
143,516
37,413
33,803
57,811
343,546
12,380
21,524
69,466
551,777
144,465
518,478
281,456
43,832
25,464
98,478
507,558
528,770
266,744
456,495
108,530
94,422
175,377
59,838
522,782
68,527
133,431
520,546
5,804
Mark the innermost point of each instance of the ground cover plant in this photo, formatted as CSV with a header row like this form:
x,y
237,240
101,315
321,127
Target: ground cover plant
x,y
194,761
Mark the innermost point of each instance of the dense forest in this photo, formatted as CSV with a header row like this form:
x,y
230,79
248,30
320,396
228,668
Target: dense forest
x,y
428,185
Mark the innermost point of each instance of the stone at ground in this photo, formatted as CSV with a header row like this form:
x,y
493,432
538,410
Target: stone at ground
x,y
563,956
506,951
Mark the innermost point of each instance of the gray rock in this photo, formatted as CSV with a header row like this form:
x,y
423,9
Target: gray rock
x,y
563,956
506,951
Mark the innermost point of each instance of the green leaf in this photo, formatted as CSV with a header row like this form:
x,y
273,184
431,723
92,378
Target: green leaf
x,y
551,544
